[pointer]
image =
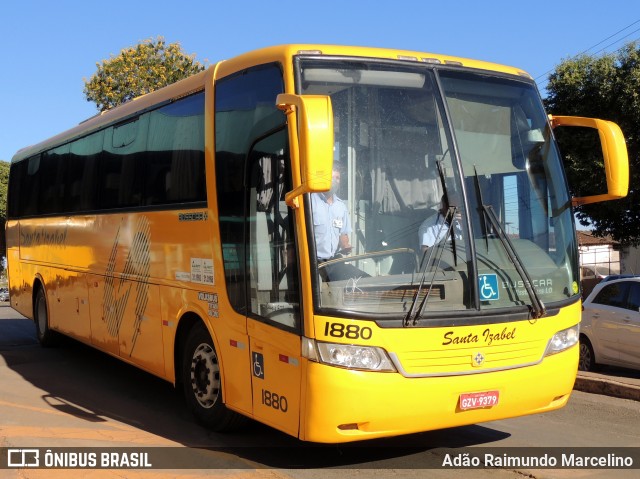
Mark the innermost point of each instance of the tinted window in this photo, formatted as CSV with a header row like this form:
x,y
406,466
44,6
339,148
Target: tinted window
x,y
32,179
154,159
83,172
175,171
245,111
633,302
613,295
122,164
17,180
53,168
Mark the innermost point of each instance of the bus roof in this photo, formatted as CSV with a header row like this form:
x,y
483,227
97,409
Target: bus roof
x,y
223,68
287,51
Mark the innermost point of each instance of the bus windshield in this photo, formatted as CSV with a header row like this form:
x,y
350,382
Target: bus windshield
x,y
448,194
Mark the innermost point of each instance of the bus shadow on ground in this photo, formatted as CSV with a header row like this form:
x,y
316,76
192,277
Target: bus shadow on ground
x,y
416,451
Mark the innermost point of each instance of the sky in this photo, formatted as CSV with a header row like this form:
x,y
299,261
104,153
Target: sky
x,y
51,47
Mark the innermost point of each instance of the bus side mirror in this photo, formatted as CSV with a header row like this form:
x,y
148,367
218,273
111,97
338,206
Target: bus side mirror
x,y
310,119
614,152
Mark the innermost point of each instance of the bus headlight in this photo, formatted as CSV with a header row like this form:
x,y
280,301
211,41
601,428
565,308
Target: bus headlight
x,y
563,340
367,358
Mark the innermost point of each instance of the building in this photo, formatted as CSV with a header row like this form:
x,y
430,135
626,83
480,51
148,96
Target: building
x,y
630,260
599,257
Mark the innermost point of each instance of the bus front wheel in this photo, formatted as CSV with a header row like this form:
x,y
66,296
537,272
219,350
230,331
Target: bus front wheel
x,y
202,383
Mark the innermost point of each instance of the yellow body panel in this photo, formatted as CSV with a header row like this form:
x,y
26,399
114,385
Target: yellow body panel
x,y
345,405
108,294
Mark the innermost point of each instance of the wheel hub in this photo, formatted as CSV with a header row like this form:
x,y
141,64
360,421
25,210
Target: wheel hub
x,y
205,376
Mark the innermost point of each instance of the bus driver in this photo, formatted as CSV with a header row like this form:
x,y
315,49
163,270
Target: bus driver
x,y
331,223
331,229
436,228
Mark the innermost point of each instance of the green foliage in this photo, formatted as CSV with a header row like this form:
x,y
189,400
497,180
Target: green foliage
x,y
137,70
606,87
4,183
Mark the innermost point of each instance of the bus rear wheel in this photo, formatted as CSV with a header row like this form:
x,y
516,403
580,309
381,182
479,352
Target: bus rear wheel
x,y
46,336
202,383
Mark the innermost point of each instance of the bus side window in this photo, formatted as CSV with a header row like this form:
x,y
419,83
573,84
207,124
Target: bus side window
x,y
30,185
245,110
273,286
82,172
52,194
122,164
174,168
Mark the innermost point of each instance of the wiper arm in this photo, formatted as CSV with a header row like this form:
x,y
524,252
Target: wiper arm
x,y
412,316
445,191
537,305
485,232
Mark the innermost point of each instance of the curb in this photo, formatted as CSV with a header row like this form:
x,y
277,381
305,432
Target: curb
x,y
607,387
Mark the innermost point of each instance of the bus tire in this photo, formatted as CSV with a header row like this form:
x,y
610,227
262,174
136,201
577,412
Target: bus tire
x,y
202,383
46,337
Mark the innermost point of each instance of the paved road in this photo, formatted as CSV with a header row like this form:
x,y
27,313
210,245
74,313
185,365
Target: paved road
x,y
73,396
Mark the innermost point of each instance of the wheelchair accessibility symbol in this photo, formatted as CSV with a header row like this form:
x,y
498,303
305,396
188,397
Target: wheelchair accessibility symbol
x,y
488,286
258,365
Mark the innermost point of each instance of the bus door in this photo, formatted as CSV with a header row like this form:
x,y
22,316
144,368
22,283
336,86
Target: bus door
x,y
273,320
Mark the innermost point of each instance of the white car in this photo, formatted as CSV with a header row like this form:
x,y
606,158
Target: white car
x,y
610,328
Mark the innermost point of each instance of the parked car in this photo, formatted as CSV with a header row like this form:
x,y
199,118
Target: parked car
x,y
4,294
611,277
610,329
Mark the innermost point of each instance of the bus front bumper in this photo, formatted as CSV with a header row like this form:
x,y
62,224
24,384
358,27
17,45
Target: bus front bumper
x,y
345,405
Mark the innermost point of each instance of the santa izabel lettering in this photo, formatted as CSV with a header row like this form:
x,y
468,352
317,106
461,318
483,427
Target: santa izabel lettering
x,y
488,337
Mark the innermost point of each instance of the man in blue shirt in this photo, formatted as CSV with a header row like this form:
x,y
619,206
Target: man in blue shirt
x,y
331,228
435,228
331,224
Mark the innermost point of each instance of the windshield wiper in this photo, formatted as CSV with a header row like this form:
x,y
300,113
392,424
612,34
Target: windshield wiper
x,y
413,315
483,223
537,306
445,192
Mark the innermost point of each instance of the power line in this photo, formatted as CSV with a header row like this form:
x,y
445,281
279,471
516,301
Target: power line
x,y
619,40
611,36
615,51
599,43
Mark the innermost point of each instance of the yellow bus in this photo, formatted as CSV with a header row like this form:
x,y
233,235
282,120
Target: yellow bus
x,y
197,233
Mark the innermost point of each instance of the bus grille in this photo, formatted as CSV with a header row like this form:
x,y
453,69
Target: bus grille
x,y
469,360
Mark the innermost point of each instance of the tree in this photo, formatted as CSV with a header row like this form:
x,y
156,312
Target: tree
x,y
4,183
606,87
137,70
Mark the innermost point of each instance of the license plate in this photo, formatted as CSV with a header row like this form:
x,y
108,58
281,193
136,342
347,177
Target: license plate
x,y
478,400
